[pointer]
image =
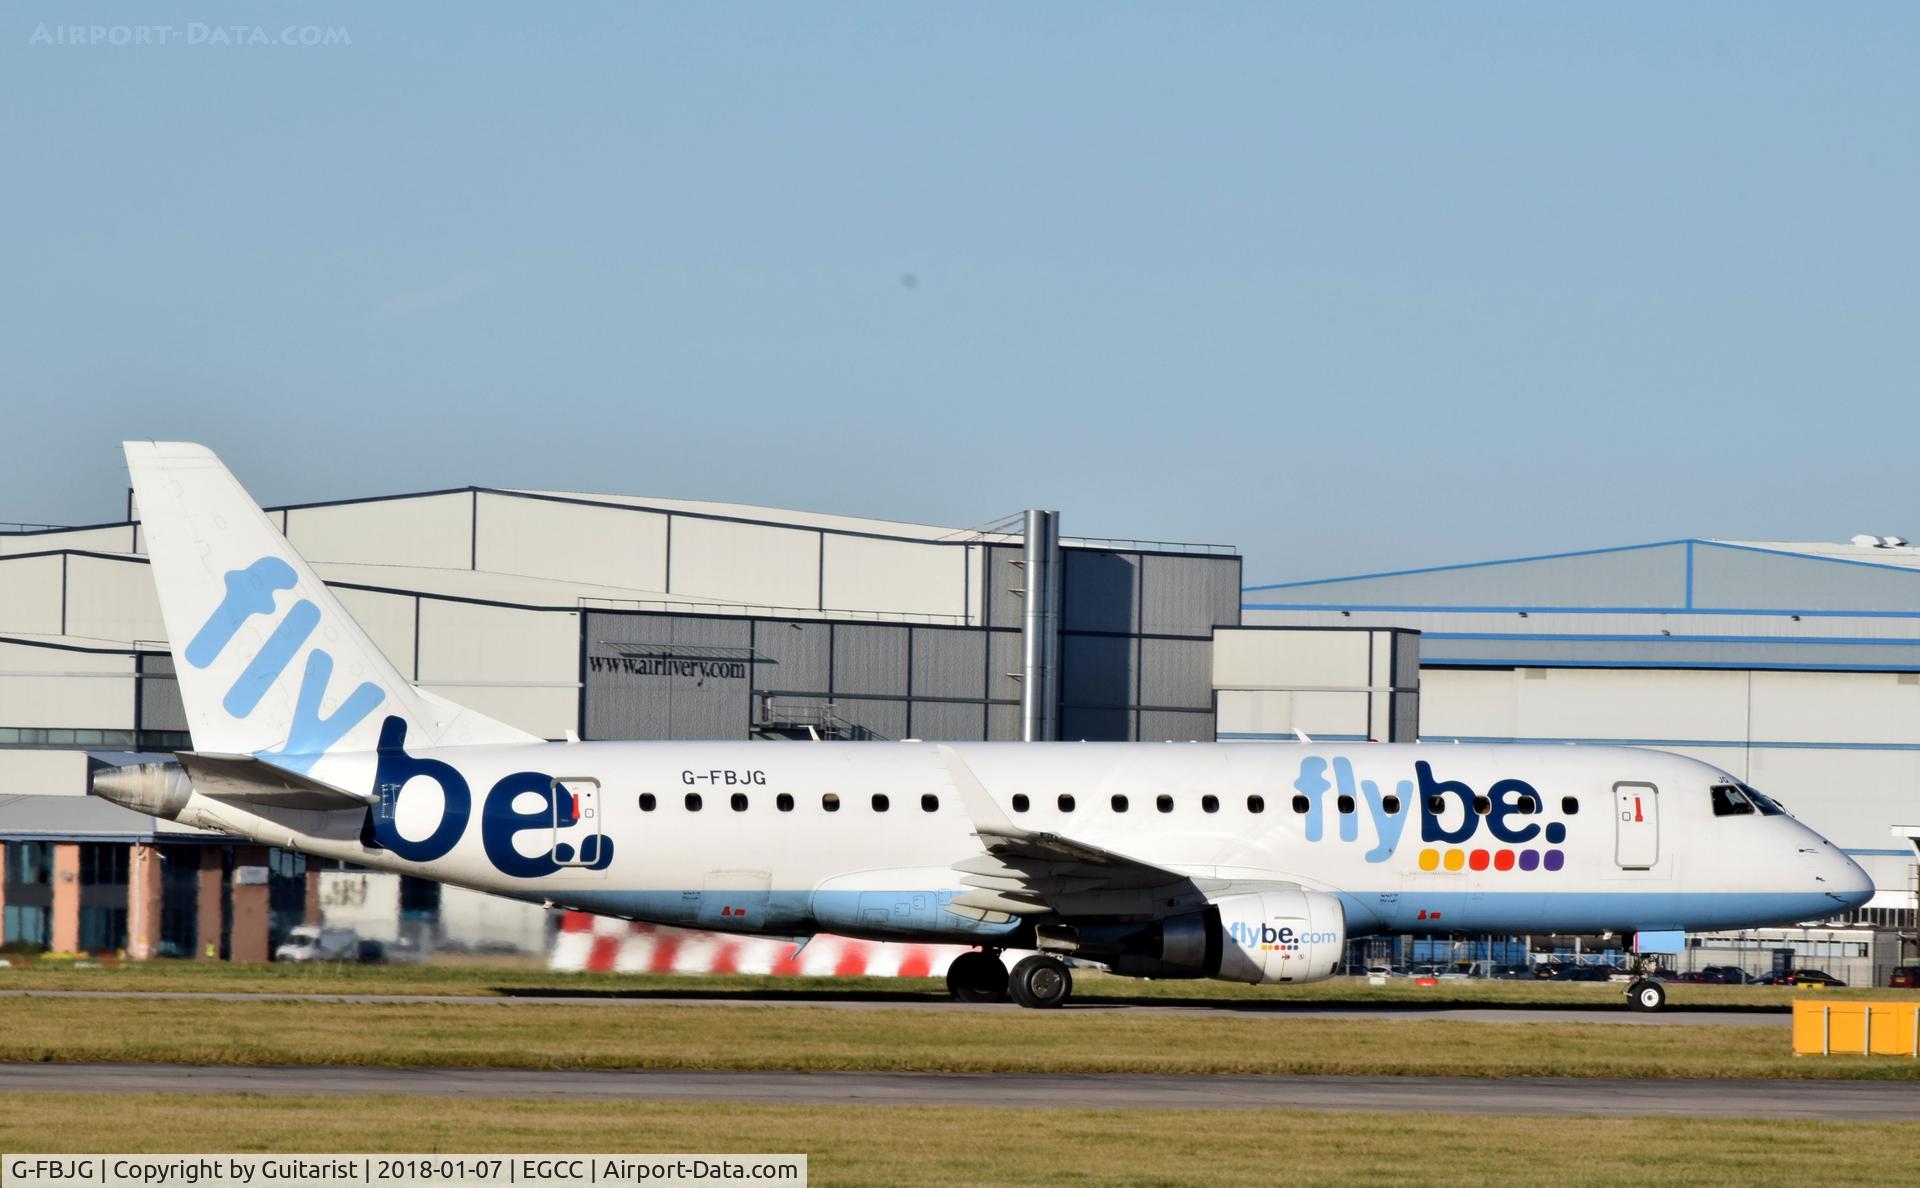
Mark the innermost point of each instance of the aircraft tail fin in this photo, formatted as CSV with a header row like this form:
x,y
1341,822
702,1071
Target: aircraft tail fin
x,y
269,663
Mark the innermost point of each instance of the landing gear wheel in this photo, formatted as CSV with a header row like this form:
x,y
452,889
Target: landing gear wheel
x,y
1646,995
1041,982
977,977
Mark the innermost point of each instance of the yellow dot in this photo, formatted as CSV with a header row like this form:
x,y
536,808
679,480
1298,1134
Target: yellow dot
x,y
1456,859
1429,860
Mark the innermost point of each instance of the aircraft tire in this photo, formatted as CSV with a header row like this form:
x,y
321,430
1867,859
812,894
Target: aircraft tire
x,y
977,977
1040,982
1646,995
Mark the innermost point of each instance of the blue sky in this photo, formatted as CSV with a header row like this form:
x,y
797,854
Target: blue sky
x,y
1351,286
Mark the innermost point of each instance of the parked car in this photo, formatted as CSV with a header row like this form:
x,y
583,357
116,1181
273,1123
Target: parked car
x,y
1905,977
1812,977
310,942
1798,977
1714,975
1513,973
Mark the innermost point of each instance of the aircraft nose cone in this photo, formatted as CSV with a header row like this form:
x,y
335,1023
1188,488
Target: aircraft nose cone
x,y
1852,885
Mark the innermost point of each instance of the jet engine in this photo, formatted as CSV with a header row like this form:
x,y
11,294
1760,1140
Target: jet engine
x,y
1263,936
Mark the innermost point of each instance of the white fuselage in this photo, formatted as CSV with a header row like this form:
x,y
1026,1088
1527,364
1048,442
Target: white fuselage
x,y
1412,839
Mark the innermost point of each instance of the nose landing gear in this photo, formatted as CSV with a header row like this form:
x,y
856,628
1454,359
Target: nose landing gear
x,y
1646,994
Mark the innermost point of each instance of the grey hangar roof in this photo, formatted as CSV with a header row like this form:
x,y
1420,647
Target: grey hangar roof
x,y
1688,603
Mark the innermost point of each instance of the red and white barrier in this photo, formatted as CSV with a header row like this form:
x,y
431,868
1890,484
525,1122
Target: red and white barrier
x,y
596,944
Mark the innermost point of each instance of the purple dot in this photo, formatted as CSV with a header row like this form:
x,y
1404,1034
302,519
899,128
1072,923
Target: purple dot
x,y
1555,860
1529,859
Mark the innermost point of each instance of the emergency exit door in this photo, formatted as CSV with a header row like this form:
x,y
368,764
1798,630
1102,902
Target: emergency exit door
x,y
1636,826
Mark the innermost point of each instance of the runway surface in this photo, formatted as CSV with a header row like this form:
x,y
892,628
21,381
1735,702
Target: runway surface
x,y
1856,1101
1270,1008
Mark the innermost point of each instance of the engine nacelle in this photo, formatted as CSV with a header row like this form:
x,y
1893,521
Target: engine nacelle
x,y
1262,936
1281,936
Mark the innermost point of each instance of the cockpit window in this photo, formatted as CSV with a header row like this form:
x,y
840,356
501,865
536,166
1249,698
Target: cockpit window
x,y
1729,801
1767,807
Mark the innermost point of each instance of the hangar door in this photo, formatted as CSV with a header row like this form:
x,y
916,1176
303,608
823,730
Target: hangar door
x,y
1636,825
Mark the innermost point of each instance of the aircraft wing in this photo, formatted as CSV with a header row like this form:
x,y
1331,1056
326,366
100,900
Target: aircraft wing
x,y
1028,872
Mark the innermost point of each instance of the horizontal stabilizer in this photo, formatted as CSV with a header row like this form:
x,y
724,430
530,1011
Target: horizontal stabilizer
x,y
255,781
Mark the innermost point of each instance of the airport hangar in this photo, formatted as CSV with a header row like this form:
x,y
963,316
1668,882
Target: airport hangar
x,y
1795,666
615,618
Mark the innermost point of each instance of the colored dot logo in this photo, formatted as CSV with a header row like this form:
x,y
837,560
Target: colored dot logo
x,y
1500,860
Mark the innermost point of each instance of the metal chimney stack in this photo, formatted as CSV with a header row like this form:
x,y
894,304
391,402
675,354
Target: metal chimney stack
x,y
1040,630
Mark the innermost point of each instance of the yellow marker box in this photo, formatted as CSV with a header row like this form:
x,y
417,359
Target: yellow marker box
x,y
1855,1028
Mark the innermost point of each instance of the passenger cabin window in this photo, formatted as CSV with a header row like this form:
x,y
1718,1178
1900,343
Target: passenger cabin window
x,y
739,802
830,802
693,802
1482,805
1066,802
1256,804
1209,804
1570,805
783,802
1389,802
1729,801
1119,803
647,802
929,803
1527,806
1300,805
1020,802
880,802
1163,802
1345,805
1436,804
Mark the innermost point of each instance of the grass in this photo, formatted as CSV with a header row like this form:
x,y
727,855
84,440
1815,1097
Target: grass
x,y
808,1038
889,1145
482,978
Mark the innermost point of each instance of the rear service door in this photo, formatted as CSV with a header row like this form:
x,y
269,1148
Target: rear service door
x,y
576,822
1636,826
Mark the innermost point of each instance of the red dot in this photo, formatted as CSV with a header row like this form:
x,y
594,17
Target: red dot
x,y
1477,860
1503,860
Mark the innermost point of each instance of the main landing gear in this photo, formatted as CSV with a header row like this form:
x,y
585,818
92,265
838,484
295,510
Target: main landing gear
x,y
1039,981
977,977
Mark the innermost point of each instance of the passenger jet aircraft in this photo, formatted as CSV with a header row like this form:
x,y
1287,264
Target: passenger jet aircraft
x,y
1247,862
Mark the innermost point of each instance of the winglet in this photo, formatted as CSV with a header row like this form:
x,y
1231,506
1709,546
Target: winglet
x,y
981,808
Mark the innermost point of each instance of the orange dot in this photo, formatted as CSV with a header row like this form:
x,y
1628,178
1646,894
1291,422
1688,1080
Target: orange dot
x,y
1456,859
1429,860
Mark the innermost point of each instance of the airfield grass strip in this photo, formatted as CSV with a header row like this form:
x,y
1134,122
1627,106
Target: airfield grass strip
x,y
505,979
889,1145
818,1038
